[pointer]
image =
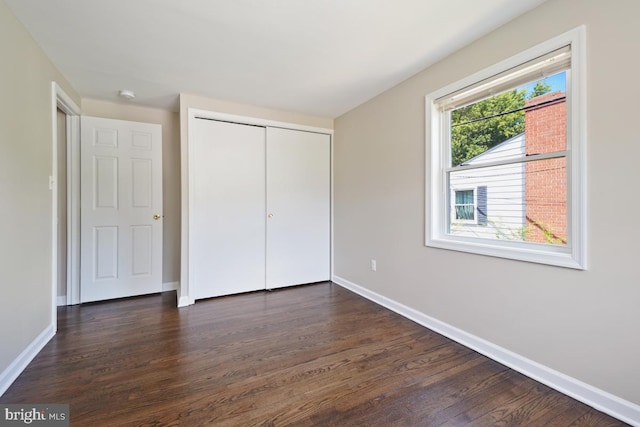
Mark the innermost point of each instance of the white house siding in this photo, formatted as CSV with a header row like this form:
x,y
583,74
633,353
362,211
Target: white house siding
x,y
505,193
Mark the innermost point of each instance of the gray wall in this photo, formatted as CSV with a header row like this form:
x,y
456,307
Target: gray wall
x,y
26,202
581,323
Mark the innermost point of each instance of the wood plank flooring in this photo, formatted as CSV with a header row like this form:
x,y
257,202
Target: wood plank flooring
x,y
309,355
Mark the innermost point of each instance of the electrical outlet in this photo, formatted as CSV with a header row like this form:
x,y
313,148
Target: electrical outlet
x,y
374,265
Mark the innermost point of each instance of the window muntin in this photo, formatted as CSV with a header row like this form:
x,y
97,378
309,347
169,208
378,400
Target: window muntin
x,y
506,227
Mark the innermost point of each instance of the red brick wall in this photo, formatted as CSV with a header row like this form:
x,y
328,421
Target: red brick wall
x,y
546,181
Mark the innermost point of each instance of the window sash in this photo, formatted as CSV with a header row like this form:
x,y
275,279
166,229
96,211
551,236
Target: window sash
x,y
535,69
531,158
510,212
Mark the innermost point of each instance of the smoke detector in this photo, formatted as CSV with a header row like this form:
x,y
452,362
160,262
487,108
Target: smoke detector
x,y
127,94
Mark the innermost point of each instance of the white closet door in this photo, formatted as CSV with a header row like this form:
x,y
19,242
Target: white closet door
x,y
227,209
298,207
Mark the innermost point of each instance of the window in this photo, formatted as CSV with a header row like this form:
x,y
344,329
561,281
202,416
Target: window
x,y
507,158
469,208
465,206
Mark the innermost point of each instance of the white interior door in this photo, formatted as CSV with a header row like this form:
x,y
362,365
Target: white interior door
x,y
121,209
227,208
298,207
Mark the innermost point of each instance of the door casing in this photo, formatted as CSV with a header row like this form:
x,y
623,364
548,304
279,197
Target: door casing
x,y
61,100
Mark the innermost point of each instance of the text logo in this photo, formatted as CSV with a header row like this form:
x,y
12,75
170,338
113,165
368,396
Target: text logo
x,y
49,415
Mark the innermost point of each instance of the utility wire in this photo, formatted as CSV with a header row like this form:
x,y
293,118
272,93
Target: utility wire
x,y
528,107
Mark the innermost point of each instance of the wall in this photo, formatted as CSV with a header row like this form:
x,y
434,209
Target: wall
x,y
581,323
26,208
188,101
170,122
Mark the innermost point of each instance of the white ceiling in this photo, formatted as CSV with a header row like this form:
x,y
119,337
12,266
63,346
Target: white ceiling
x,y
319,57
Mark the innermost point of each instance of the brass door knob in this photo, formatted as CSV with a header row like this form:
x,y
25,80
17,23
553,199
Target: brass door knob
x,y
156,216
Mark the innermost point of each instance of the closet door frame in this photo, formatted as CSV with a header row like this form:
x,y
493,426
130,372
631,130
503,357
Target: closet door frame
x,y
186,296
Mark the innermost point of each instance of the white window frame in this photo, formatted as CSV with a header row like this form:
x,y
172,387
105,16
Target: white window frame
x,y
572,255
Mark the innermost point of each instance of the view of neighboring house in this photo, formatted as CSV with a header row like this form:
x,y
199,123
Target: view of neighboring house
x,y
517,201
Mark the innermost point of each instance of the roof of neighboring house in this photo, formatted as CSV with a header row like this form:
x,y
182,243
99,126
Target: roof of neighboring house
x,y
511,148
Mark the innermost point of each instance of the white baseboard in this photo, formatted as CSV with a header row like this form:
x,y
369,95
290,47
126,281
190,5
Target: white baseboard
x,y
170,286
592,396
61,300
184,301
9,375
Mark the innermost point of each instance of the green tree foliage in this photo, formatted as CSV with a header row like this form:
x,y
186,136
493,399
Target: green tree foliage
x,y
539,89
481,126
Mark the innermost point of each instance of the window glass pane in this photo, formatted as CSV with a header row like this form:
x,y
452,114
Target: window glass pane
x,y
524,201
464,212
463,197
530,119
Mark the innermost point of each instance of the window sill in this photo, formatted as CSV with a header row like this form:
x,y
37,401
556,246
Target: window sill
x,y
528,252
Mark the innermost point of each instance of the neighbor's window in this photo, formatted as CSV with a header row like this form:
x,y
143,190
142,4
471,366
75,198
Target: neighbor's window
x,y
507,162
464,205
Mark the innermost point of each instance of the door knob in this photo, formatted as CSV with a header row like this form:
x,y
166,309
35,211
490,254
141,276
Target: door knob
x,y
270,216
156,216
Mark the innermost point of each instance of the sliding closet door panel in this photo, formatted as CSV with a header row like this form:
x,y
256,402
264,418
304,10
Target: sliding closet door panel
x,y
227,224
298,207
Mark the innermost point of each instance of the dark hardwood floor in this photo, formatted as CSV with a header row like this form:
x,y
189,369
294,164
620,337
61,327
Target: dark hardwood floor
x,y
311,355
